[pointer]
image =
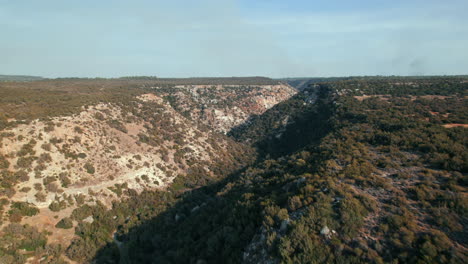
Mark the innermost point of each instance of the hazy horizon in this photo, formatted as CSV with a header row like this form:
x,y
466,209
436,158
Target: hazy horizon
x,y
226,76
226,38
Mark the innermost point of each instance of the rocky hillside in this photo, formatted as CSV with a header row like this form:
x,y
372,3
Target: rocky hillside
x,y
104,146
65,144
224,107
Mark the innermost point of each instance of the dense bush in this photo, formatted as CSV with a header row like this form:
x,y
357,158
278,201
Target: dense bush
x,y
65,223
89,168
23,209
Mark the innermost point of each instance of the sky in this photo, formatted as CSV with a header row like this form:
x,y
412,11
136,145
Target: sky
x,y
274,38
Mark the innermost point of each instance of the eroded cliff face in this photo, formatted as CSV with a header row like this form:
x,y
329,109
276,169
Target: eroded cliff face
x,y
223,107
109,151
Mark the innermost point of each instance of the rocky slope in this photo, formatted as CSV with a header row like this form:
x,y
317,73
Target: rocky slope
x,y
224,107
102,153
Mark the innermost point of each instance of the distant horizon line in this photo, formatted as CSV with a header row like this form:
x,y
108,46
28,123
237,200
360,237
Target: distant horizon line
x,y
226,77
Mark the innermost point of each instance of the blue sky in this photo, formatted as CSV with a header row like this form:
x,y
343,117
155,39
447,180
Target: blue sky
x,y
56,38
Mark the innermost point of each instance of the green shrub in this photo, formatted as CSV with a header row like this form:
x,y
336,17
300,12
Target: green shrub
x,y
65,223
25,162
56,206
89,168
23,208
4,164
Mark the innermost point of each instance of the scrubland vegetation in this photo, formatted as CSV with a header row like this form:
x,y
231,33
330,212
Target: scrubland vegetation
x,y
347,171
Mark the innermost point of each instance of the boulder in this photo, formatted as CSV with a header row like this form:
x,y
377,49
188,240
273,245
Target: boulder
x,y
89,219
325,231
